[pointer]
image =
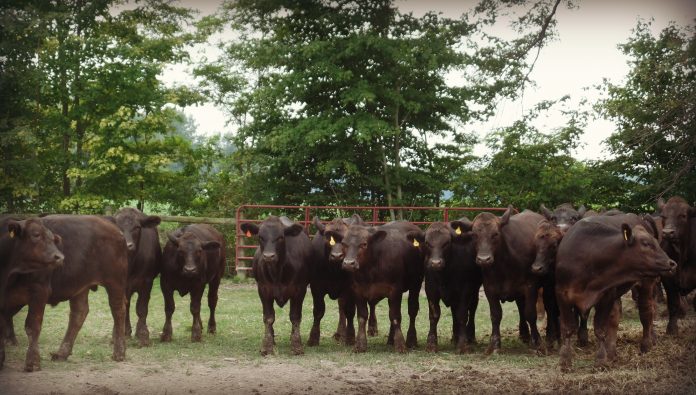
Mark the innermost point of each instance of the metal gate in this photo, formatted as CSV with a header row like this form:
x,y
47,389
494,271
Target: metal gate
x,y
373,215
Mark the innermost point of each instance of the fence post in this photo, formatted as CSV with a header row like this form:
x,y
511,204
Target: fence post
x,y
239,240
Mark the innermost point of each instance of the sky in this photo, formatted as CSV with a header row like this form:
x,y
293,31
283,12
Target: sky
x,y
583,55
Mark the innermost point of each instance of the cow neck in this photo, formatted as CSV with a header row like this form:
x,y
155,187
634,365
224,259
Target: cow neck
x,y
275,272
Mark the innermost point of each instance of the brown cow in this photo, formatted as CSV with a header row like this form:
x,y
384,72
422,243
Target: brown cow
x,y
384,264
95,254
329,279
505,252
451,275
281,266
144,264
564,215
679,241
193,257
597,262
25,247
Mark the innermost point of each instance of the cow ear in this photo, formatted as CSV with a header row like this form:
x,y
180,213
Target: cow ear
x,y
416,237
545,212
173,237
210,245
582,210
356,220
460,227
649,223
660,204
150,221
627,234
15,228
110,218
293,230
249,229
320,226
376,236
58,241
506,216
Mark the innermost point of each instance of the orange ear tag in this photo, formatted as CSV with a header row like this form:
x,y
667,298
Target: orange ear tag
x,y
458,231
248,233
332,242
416,243
11,234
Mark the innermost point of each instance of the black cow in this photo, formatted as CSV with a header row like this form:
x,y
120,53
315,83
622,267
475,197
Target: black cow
x,y
451,275
25,247
505,251
193,257
281,266
144,264
95,254
384,264
564,215
598,260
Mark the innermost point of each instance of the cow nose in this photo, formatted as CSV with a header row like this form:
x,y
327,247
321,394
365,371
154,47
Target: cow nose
x,y
336,256
58,258
349,264
269,256
130,246
672,266
189,271
436,263
484,260
668,233
537,268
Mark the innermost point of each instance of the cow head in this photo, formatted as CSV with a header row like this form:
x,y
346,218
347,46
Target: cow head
x,y
546,240
272,233
436,242
131,221
356,244
32,246
332,234
191,252
675,215
563,216
486,229
643,254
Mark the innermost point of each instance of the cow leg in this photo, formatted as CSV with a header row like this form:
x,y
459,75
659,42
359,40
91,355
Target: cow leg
x,y
372,323
340,333
117,304
195,307
646,310
456,327
32,327
141,309
530,312
169,307
361,338
212,304
129,327
496,316
79,308
673,306
295,320
319,308
395,319
460,314
8,333
523,327
434,316
268,320
613,329
568,327
583,333
552,320
413,308
349,313
471,302
603,311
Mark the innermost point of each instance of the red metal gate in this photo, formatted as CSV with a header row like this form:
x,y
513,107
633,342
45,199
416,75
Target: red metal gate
x,y
244,252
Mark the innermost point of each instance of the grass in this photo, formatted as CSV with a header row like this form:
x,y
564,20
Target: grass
x,y
240,331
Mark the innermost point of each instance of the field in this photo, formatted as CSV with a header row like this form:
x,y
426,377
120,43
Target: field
x,y
229,361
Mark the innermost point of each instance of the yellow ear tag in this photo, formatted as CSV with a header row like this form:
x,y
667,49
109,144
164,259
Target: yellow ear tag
x,y
458,230
11,234
332,242
625,235
415,243
248,233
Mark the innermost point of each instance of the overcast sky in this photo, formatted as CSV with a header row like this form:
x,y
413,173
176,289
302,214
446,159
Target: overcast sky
x,y
584,53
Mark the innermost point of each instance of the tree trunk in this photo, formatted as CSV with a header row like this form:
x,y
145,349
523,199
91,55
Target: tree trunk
x,y
387,181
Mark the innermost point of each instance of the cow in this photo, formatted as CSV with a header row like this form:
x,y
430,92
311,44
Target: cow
x,y
384,264
282,265
505,252
451,276
546,240
26,247
95,254
329,279
564,215
193,257
679,241
144,264
598,260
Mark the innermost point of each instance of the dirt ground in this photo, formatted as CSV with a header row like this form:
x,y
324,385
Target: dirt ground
x,y
669,368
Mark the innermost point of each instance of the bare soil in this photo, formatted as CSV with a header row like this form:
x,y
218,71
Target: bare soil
x,y
670,368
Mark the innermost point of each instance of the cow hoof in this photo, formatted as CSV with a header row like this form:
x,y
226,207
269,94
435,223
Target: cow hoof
x,y
55,356
212,330
566,366
165,338
265,352
312,342
492,351
337,337
297,350
372,332
12,341
144,342
672,330
196,339
32,368
431,347
118,357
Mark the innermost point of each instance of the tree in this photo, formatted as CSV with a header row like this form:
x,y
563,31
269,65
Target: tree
x,y
654,146
349,101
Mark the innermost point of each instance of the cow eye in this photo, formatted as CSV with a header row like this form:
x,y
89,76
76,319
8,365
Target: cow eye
x,y
363,245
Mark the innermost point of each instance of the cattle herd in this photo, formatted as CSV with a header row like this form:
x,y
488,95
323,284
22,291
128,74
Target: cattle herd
x,y
575,260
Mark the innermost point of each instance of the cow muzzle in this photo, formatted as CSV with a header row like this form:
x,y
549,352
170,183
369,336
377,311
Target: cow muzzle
x,y
436,264
484,260
58,259
670,234
672,267
269,257
189,271
350,265
336,256
539,268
